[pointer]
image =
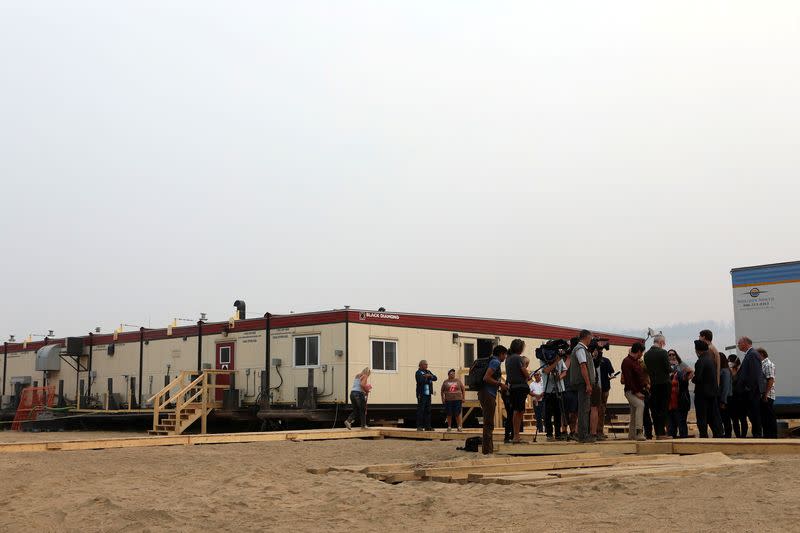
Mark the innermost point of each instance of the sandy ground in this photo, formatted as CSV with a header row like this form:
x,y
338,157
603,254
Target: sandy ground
x,y
264,487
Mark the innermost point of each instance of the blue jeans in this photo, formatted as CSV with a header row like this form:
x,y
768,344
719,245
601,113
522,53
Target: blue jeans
x,y
424,411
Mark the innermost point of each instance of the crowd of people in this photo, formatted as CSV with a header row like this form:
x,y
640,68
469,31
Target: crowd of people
x,y
570,393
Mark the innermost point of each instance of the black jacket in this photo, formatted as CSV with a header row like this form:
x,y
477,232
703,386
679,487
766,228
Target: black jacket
x,y
705,376
751,375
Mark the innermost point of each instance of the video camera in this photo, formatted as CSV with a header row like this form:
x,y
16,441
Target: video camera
x,y
598,343
552,349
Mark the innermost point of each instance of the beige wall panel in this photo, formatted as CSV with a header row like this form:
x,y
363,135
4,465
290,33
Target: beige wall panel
x,y
330,382
438,349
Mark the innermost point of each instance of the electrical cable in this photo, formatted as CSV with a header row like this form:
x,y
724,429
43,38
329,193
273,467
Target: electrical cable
x,y
335,416
278,370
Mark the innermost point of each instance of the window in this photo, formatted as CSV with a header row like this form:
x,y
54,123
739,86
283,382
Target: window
x,y
306,351
384,356
469,354
225,355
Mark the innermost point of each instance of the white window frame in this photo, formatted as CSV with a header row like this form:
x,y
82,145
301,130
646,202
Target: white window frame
x,y
294,351
396,356
221,348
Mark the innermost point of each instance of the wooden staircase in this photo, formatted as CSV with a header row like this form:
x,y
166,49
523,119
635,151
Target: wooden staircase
x,y
187,398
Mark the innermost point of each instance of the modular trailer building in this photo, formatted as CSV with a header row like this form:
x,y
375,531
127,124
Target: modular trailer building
x,y
766,304
282,353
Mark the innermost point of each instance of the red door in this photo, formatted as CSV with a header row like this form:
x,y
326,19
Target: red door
x,y
225,361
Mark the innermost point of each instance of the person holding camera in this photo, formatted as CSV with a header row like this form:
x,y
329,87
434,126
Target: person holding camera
x,y
425,379
555,374
581,377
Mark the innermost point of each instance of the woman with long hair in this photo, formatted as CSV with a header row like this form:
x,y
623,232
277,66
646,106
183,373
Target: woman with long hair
x,y
358,397
679,400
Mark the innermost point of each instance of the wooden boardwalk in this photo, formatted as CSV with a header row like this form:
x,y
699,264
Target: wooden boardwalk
x,y
678,446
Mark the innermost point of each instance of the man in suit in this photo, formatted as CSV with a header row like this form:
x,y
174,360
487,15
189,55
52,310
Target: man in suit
x,y
656,360
751,383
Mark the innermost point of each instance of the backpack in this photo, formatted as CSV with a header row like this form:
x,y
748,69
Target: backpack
x,y
472,444
476,373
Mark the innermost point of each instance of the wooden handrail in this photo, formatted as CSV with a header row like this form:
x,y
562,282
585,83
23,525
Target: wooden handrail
x,y
169,387
183,391
202,383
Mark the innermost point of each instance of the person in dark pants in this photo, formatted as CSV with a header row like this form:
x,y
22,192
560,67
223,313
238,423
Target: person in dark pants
x,y
656,360
487,397
517,378
508,420
425,379
606,370
555,374
768,419
581,377
751,383
725,395
706,392
679,401
738,404
358,397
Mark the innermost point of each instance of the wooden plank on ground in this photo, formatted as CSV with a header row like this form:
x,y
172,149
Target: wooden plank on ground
x,y
536,462
394,467
522,470
333,435
226,438
557,448
738,446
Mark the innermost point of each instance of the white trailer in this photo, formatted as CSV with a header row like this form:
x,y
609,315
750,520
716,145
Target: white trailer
x,y
766,308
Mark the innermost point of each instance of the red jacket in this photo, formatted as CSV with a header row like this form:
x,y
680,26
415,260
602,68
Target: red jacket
x,y
633,374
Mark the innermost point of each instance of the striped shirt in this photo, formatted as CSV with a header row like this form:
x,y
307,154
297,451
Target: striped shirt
x,y
768,367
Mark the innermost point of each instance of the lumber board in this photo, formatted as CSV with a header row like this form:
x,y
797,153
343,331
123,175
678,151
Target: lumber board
x,y
451,463
522,470
361,434
558,448
226,438
677,471
522,463
737,446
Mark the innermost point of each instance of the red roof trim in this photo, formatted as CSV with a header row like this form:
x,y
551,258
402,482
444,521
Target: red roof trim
x,y
487,326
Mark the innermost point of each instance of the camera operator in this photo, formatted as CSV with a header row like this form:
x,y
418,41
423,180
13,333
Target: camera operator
x,y
595,351
555,374
581,377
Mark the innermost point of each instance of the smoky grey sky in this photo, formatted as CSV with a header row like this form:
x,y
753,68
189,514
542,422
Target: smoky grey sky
x,y
581,163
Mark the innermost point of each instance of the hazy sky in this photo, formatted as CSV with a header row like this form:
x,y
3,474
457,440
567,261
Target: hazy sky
x,y
580,163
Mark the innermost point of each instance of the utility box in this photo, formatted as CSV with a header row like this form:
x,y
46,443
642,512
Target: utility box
x,y
48,358
74,346
231,399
